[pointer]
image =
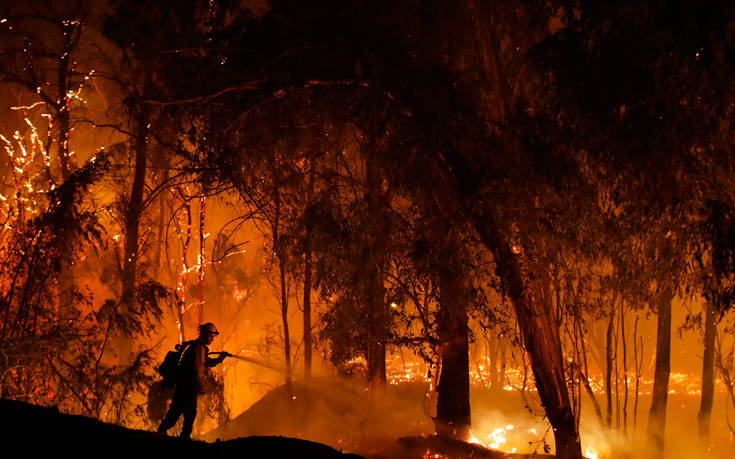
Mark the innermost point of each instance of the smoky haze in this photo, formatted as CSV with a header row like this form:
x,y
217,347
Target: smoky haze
x,y
364,196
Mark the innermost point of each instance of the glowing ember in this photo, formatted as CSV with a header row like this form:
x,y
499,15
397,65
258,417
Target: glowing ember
x,y
429,454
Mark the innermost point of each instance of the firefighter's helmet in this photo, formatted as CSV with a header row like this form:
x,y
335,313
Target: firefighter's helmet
x,y
208,328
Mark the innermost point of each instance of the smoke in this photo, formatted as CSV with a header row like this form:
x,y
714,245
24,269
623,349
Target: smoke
x,y
343,414
334,411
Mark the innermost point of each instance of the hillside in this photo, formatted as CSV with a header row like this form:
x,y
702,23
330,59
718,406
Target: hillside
x,y
35,431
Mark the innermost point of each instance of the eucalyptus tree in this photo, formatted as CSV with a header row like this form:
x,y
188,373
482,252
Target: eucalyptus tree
x,y
512,126
651,112
459,152
144,34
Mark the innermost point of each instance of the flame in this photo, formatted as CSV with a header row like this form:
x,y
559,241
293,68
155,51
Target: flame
x,y
504,438
591,453
240,294
401,370
497,439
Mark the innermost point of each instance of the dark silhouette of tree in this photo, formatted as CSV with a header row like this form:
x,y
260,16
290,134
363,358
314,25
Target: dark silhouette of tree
x,y
530,126
642,104
714,263
144,32
435,110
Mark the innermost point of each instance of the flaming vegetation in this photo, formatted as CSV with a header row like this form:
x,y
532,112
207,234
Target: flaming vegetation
x,y
499,196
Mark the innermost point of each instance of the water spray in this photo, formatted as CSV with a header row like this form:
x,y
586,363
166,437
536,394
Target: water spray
x,y
262,363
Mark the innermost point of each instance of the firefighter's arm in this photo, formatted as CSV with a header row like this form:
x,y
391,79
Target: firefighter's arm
x,y
212,361
200,357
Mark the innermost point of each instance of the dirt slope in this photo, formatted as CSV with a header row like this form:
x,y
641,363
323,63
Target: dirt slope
x,y
34,431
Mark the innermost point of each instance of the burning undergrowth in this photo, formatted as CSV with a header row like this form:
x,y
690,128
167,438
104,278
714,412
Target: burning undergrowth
x,y
346,416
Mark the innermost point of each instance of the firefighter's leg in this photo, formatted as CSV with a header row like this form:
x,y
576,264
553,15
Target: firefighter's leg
x,y
190,412
173,413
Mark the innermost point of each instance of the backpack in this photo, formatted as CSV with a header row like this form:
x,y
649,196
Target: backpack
x,y
169,368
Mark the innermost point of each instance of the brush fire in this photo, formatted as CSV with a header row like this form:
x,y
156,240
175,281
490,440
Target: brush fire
x,y
406,230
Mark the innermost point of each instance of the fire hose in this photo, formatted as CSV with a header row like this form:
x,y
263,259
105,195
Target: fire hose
x,y
262,363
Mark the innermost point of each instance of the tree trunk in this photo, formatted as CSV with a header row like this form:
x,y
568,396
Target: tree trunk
x,y
538,323
375,294
583,372
708,371
453,405
182,273
202,259
63,113
609,357
493,350
638,362
280,250
377,330
135,204
376,362
657,414
307,283
284,319
625,367
503,363
307,313
64,129
63,104
161,228
617,378
529,293
591,393
135,207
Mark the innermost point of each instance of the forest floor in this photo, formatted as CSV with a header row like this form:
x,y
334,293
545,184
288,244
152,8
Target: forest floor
x,y
343,415
329,417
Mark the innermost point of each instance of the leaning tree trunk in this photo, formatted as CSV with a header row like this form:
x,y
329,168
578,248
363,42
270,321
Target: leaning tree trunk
x,y
657,414
529,292
708,371
453,405
537,319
